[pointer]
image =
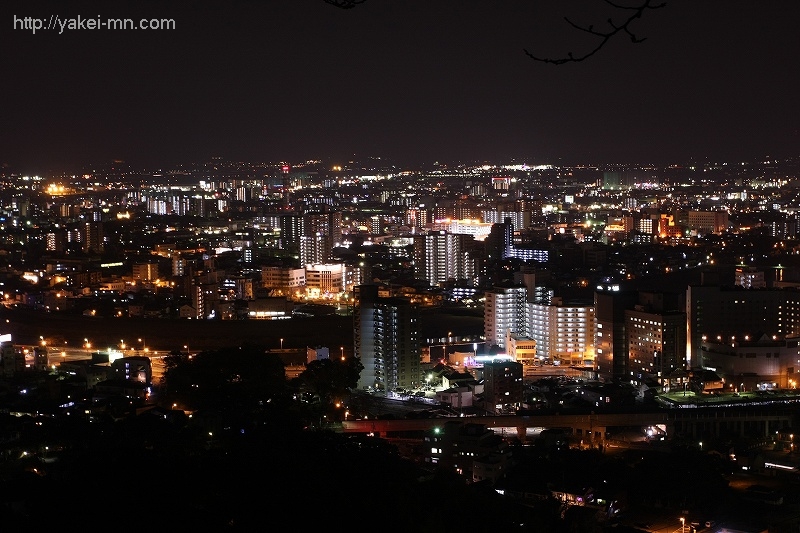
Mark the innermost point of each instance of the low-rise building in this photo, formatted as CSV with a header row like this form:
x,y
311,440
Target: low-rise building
x,y
458,445
745,362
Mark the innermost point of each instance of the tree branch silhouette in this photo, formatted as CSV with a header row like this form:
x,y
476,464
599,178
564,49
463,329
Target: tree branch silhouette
x,y
344,4
605,36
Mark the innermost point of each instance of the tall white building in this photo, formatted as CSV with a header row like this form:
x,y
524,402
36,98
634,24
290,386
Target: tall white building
x,y
504,311
440,256
559,332
564,332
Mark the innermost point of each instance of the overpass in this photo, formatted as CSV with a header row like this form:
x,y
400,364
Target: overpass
x,y
595,427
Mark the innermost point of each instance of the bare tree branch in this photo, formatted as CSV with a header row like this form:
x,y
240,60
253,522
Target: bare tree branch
x,y
605,36
344,4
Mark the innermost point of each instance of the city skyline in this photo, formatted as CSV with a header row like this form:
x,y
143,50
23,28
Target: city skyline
x,y
413,82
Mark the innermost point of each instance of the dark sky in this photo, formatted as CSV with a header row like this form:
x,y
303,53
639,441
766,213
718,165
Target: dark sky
x,y
411,80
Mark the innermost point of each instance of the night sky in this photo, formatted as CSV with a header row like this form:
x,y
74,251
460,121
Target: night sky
x,y
415,81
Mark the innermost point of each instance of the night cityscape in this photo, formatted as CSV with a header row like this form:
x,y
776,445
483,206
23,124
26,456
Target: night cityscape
x,y
331,264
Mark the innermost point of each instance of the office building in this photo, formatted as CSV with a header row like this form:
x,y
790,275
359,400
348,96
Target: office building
x,y
705,222
656,342
716,313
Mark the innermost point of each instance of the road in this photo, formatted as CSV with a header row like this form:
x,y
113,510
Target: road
x,y
67,354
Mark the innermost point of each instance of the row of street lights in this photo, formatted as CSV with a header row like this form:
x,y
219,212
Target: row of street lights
x,y
341,349
87,345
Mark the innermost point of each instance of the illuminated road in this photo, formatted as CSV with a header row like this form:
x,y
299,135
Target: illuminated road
x,y
67,354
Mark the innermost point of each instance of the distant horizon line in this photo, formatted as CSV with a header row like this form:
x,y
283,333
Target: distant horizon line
x,y
360,160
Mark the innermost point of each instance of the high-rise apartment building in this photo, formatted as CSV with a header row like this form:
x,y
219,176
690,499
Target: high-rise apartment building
x,y
93,238
205,292
564,331
319,234
440,256
504,310
291,228
55,241
386,340
520,219
179,264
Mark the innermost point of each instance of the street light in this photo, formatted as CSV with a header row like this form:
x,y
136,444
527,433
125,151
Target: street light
x,y
683,522
281,344
342,349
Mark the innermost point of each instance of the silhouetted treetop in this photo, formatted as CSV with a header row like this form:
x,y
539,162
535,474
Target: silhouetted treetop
x,y
246,375
344,4
605,35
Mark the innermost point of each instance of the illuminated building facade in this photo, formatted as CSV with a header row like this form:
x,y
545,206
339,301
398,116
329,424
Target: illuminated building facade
x,y
564,332
754,364
440,256
704,222
656,342
504,311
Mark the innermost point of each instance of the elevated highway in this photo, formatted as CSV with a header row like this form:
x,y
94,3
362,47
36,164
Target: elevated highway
x,y
595,427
